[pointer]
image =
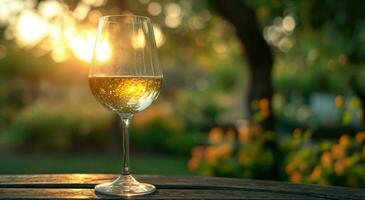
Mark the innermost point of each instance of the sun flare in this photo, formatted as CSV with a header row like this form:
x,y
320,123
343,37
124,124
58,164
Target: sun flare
x,y
103,53
72,33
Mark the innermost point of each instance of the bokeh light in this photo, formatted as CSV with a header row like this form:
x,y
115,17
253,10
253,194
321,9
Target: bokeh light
x,y
289,23
160,38
154,8
82,45
72,33
49,9
173,15
103,53
30,29
138,40
278,34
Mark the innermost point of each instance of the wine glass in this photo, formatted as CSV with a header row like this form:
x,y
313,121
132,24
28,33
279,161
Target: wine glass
x,y
125,77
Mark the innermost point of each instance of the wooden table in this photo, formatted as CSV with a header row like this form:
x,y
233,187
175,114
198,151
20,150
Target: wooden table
x,y
80,186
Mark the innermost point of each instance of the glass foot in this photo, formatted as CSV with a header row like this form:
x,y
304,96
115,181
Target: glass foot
x,y
125,185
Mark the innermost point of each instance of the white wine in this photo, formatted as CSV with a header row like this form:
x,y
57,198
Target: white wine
x,y
125,77
125,94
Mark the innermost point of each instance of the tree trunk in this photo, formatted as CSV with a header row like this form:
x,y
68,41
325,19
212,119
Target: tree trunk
x,y
257,50
260,61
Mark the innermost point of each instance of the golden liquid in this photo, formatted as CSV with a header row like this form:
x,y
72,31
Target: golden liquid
x,y
125,94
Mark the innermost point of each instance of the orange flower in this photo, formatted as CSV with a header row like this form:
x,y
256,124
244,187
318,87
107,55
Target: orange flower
x,y
289,168
244,133
256,129
211,155
266,113
340,167
303,166
347,161
197,152
224,150
297,133
340,101
360,137
264,104
344,140
230,135
215,135
193,164
338,151
326,159
296,177
316,173
244,137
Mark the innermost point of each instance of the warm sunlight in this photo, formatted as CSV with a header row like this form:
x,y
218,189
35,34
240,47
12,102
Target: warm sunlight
x,y
60,35
138,40
30,29
82,45
65,35
160,38
49,9
103,53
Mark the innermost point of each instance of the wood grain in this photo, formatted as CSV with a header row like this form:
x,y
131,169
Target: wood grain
x,y
37,193
80,186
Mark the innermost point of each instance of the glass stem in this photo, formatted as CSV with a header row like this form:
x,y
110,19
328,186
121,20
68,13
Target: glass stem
x,y
125,145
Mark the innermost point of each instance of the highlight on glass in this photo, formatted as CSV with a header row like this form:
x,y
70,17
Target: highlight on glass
x,y
125,77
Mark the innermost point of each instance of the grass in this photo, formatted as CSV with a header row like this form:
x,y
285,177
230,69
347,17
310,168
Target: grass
x,y
92,163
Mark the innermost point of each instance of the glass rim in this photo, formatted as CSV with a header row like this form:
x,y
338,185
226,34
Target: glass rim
x,y
126,16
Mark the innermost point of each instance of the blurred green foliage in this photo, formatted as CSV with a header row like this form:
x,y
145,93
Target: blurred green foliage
x,y
92,163
159,130
56,127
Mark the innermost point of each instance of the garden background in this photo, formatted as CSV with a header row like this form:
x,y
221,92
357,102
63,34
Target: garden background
x,y
205,121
